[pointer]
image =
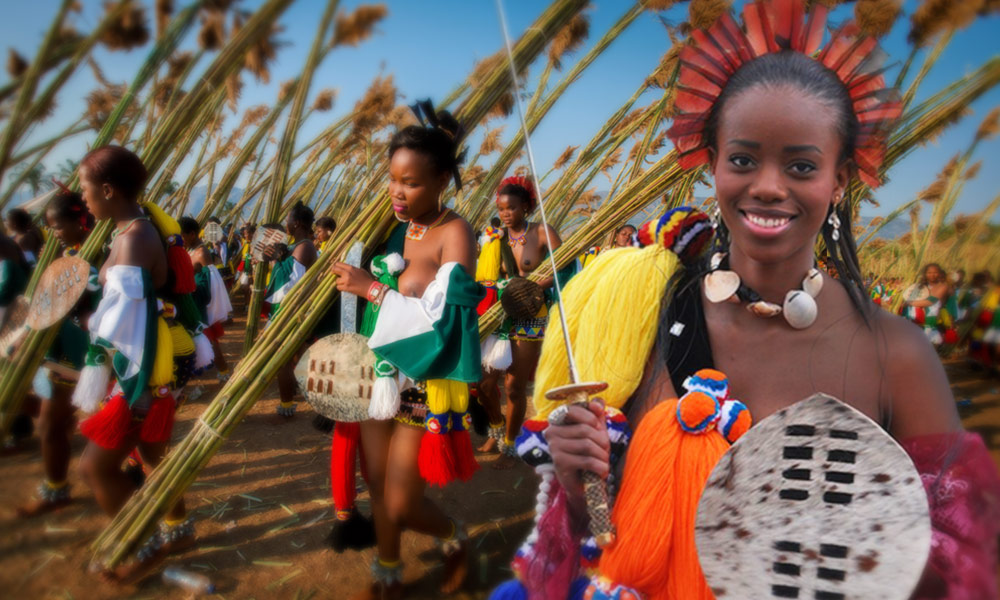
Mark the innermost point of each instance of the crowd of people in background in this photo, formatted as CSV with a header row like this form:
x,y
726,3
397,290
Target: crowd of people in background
x,y
956,312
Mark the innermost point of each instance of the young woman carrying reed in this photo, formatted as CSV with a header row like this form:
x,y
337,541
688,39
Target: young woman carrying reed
x,y
70,222
427,329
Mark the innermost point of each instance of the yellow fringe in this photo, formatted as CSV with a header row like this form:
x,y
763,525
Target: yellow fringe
x,y
164,223
163,366
612,311
444,395
488,266
183,344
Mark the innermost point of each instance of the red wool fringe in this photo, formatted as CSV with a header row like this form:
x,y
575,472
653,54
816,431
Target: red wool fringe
x,y
180,264
465,460
342,461
436,459
109,426
159,423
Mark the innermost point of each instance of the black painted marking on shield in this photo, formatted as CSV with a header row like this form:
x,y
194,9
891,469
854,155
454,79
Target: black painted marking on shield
x,y
784,591
798,453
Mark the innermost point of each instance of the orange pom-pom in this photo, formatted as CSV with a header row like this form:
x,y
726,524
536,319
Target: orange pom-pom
x,y
697,412
734,421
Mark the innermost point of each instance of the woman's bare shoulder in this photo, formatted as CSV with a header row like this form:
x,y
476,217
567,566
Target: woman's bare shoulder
x,y
917,384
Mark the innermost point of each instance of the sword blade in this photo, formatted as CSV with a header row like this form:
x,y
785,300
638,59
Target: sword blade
x,y
349,302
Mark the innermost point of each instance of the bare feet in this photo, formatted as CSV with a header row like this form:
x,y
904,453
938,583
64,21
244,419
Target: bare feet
x,y
135,571
456,568
41,506
489,446
505,462
381,591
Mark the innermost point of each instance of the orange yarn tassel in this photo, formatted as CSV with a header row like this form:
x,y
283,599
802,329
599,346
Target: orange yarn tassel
x,y
655,511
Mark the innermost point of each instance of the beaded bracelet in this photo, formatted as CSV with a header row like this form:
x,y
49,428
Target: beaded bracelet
x,y
376,293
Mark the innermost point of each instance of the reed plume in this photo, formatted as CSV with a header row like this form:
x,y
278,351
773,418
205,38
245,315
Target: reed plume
x,y
876,17
352,29
569,38
565,157
16,64
129,30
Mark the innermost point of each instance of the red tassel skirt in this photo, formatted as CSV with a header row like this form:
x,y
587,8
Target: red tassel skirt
x,y
113,425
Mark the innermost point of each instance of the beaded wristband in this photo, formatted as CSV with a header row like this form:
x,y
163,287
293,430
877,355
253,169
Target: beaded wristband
x,y
376,293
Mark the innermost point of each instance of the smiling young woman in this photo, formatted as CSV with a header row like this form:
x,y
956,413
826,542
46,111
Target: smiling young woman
x,y
783,134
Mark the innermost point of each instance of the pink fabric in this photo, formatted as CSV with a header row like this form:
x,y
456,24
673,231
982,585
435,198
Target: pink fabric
x,y
963,490
556,559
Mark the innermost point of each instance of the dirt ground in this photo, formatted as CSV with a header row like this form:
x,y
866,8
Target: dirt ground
x,y
263,511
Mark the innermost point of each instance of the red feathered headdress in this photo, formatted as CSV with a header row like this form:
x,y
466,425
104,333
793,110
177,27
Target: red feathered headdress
x,y
713,55
523,182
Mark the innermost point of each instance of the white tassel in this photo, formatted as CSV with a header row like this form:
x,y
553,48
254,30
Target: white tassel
x,y
91,387
385,398
203,353
497,355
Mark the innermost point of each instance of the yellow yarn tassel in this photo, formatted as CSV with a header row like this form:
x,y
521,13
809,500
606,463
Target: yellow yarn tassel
x,y
163,366
445,395
183,344
613,312
164,223
488,266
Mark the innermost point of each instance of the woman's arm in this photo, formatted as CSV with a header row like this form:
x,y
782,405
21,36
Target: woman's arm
x,y
542,245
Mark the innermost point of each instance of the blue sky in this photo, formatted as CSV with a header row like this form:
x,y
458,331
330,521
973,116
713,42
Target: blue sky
x,y
429,46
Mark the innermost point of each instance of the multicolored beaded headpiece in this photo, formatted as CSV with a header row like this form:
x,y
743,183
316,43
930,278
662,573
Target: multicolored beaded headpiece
x,y
771,26
522,182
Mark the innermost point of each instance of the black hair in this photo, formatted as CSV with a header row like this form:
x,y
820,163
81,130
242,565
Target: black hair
x,y
621,228
326,223
519,192
20,220
189,225
927,267
439,141
69,206
303,214
214,220
496,222
117,167
796,70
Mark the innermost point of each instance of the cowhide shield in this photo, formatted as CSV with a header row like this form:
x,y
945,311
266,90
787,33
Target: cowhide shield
x,y
814,502
14,328
264,237
337,374
59,289
213,233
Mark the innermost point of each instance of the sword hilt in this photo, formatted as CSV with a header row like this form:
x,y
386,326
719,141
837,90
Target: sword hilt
x,y
595,489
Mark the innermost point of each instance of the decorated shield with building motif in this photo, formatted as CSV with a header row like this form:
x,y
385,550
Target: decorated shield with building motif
x,y
336,374
264,237
213,233
815,501
59,289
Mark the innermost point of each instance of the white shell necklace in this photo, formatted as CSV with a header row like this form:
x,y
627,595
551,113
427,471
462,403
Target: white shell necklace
x,y
799,308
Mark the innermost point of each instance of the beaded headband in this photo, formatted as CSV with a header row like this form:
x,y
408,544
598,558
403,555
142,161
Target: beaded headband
x,y
714,55
522,182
